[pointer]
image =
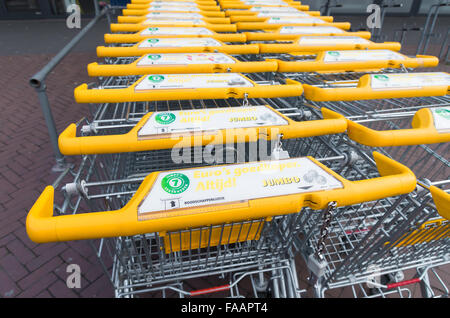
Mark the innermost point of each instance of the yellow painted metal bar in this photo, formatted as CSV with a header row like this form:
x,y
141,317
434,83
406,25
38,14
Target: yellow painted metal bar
x,y
70,144
43,227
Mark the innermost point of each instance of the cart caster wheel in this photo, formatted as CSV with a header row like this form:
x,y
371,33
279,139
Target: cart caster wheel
x,y
384,280
265,294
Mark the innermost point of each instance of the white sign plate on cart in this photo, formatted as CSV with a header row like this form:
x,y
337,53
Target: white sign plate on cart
x,y
275,9
292,20
183,81
233,184
298,14
361,55
174,15
179,42
185,59
310,30
331,40
169,21
209,119
441,118
176,31
173,8
410,80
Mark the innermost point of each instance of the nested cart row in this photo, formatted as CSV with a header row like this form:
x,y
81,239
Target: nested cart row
x,y
204,158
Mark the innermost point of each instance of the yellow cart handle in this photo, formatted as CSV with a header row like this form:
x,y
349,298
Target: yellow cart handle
x,y
199,2
231,13
287,3
129,94
364,90
442,201
132,19
271,26
94,69
137,37
43,227
297,47
320,63
277,36
240,6
208,14
235,19
135,50
209,7
70,144
133,27
423,132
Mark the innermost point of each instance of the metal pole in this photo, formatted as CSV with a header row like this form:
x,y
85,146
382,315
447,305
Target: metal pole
x,y
45,106
96,7
38,82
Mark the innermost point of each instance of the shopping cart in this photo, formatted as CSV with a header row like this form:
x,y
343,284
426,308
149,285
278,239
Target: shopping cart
x,y
335,63
180,87
325,43
294,32
253,238
169,205
173,32
369,248
251,4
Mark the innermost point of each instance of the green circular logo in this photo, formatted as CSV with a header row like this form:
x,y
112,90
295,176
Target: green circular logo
x,y
156,78
154,56
165,118
153,40
443,112
334,53
382,78
175,183
153,29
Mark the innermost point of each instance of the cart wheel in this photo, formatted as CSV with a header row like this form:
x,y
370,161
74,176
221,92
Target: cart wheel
x,y
384,280
265,294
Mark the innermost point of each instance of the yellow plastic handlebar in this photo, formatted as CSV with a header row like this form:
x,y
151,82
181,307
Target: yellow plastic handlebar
x,y
136,19
297,46
206,14
69,144
205,7
423,132
43,227
442,201
240,6
277,36
133,27
94,69
137,37
363,90
242,13
200,2
247,18
272,26
103,51
85,95
319,64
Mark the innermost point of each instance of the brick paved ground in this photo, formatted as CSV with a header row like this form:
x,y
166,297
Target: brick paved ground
x,y
27,269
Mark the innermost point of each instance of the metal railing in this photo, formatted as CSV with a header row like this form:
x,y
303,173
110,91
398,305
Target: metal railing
x,y
37,81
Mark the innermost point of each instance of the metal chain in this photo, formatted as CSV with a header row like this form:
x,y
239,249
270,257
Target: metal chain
x,y
325,229
245,101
